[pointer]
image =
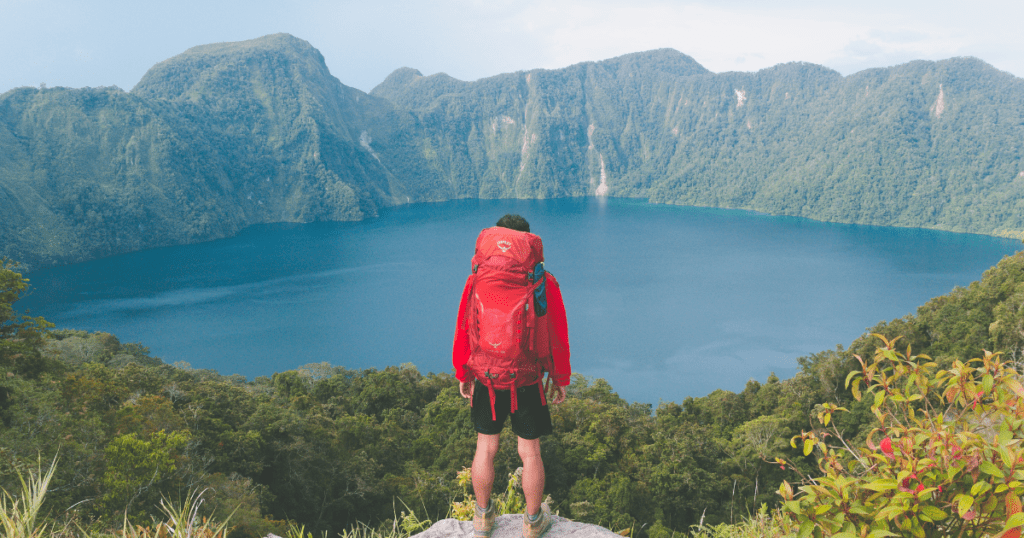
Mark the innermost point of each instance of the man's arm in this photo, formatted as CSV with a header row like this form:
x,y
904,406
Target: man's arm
x,y
559,328
460,348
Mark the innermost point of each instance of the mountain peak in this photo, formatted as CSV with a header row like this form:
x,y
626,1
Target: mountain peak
x,y
399,78
192,72
666,60
277,42
403,82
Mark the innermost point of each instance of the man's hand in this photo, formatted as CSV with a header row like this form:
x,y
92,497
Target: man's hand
x,y
556,394
466,388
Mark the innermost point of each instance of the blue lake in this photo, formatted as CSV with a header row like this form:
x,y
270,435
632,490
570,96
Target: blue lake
x,y
664,302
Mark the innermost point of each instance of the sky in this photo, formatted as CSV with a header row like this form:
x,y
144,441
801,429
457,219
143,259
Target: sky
x,y
114,42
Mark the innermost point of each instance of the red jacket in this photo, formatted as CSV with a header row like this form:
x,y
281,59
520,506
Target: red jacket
x,y
557,326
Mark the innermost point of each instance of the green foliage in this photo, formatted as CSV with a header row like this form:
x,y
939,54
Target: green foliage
x,y
79,347
796,139
944,460
19,516
21,337
138,470
242,498
510,501
183,520
763,524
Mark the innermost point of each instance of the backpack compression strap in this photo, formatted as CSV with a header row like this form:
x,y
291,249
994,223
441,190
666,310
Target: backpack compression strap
x,y
490,393
542,386
512,395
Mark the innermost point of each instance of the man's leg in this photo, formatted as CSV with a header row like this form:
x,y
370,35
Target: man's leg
x,y
533,473
483,467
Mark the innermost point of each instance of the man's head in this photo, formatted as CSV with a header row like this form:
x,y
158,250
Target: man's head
x,y
514,222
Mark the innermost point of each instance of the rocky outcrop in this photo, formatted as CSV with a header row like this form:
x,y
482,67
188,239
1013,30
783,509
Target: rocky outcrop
x,y
511,526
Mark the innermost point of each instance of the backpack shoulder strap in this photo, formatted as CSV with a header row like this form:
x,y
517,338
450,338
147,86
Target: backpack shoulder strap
x,y
461,348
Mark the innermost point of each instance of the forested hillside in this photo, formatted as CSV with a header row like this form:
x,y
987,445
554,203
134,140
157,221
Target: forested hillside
x,y
325,446
209,142
925,144
228,135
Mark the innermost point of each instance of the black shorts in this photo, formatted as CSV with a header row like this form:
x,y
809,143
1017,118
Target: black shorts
x,y
530,421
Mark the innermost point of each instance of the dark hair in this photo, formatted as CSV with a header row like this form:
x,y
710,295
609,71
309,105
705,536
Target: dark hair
x,y
514,222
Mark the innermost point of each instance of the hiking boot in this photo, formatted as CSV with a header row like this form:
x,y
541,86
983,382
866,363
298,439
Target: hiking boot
x,y
537,527
483,520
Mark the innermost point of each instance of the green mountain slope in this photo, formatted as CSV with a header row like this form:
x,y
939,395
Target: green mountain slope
x,y
929,144
211,141
228,135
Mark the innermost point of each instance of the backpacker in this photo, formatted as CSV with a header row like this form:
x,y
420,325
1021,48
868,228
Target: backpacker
x,y
508,335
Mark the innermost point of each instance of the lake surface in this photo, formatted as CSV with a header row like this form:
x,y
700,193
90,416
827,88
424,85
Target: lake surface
x,y
664,302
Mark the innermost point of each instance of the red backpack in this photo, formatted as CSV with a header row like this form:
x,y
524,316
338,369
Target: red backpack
x,y
508,335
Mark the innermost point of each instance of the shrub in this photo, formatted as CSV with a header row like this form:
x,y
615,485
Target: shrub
x,y
763,524
18,516
510,501
944,460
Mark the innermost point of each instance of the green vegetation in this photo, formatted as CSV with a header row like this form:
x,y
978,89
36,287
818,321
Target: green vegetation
x,y
925,144
19,515
510,501
224,136
944,459
211,141
335,450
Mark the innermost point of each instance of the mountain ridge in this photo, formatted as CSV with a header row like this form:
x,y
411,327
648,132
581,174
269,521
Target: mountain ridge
x,y
228,135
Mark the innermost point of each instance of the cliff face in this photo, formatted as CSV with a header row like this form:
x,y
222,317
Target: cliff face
x,y
228,135
211,141
929,144
543,133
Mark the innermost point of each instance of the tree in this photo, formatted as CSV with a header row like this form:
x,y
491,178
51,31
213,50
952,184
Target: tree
x,y
21,337
138,469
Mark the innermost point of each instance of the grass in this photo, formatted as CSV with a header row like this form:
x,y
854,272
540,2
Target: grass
x,y
20,517
763,524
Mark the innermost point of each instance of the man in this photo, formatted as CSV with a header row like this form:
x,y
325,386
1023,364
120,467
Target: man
x,y
546,348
